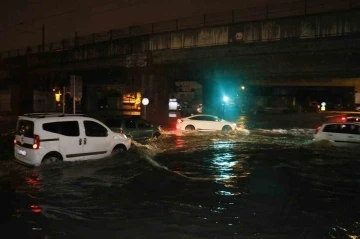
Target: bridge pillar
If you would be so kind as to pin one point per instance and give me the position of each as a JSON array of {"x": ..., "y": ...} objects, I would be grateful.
[
  {"x": 155, "y": 84},
  {"x": 22, "y": 95},
  {"x": 90, "y": 103}
]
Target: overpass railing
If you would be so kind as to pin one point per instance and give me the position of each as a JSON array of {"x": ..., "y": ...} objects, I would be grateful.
[{"x": 273, "y": 11}]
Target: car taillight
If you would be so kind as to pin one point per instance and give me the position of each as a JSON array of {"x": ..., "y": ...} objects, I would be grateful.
[
  {"x": 179, "y": 121},
  {"x": 14, "y": 141},
  {"x": 343, "y": 119},
  {"x": 36, "y": 144},
  {"x": 121, "y": 131},
  {"x": 317, "y": 129}
]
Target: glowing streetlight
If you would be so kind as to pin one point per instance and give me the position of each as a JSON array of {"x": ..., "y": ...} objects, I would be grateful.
[
  {"x": 243, "y": 87},
  {"x": 225, "y": 99},
  {"x": 323, "y": 106},
  {"x": 145, "y": 102}
]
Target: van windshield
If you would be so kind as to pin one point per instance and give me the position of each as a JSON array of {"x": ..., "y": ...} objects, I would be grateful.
[{"x": 25, "y": 127}]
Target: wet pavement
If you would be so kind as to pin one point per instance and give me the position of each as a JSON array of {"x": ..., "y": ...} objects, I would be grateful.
[{"x": 267, "y": 180}]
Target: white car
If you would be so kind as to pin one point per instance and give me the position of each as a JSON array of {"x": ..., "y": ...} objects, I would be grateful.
[
  {"x": 204, "y": 122},
  {"x": 43, "y": 138},
  {"x": 339, "y": 134}
]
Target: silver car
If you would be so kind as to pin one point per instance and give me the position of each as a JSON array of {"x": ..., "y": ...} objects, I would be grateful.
[
  {"x": 133, "y": 127},
  {"x": 339, "y": 134}
]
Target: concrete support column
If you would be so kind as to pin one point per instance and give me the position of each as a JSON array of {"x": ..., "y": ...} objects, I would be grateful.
[
  {"x": 156, "y": 85},
  {"x": 22, "y": 95},
  {"x": 15, "y": 100},
  {"x": 165, "y": 83},
  {"x": 90, "y": 98}
]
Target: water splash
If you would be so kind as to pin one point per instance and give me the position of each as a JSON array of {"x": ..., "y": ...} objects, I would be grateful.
[{"x": 292, "y": 132}]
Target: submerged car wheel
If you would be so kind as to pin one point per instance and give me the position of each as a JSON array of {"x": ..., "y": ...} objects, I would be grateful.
[
  {"x": 189, "y": 127},
  {"x": 226, "y": 128},
  {"x": 117, "y": 150},
  {"x": 51, "y": 159}
]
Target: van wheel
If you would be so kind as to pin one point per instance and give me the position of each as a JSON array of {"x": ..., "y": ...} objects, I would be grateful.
[
  {"x": 117, "y": 150},
  {"x": 51, "y": 159}
]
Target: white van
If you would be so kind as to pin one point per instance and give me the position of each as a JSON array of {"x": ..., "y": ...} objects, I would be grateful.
[{"x": 43, "y": 138}]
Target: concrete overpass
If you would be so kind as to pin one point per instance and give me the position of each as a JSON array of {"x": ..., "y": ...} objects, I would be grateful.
[{"x": 281, "y": 44}]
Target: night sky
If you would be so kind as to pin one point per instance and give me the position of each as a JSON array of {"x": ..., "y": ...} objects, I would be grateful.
[{"x": 21, "y": 20}]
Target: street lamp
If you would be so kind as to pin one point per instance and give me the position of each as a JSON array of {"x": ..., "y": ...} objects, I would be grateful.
[
  {"x": 243, "y": 87},
  {"x": 145, "y": 102},
  {"x": 225, "y": 99}
]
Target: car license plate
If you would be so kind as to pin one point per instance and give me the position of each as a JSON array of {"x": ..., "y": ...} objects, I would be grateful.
[{"x": 21, "y": 152}]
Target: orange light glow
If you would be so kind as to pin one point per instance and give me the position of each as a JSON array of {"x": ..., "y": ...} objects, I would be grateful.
[
  {"x": 58, "y": 96},
  {"x": 36, "y": 144},
  {"x": 131, "y": 103}
]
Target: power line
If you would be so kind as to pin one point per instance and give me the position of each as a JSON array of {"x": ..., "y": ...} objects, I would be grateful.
[
  {"x": 116, "y": 8},
  {"x": 112, "y": 9},
  {"x": 70, "y": 12},
  {"x": 37, "y": 19}
]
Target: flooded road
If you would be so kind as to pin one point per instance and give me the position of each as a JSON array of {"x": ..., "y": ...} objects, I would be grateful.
[{"x": 267, "y": 180}]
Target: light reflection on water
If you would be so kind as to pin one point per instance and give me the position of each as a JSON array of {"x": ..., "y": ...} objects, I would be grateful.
[
  {"x": 33, "y": 181},
  {"x": 179, "y": 141},
  {"x": 35, "y": 208},
  {"x": 229, "y": 167},
  {"x": 241, "y": 122}
]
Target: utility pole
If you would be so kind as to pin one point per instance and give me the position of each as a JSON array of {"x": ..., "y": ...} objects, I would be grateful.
[
  {"x": 43, "y": 37},
  {"x": 63, "y": 103}
]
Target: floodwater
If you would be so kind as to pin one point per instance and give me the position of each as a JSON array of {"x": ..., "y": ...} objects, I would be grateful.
[{"x": 267, "y": 180}]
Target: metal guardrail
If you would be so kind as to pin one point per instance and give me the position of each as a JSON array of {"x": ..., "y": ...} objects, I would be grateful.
[{"x": 273, "y": 11}]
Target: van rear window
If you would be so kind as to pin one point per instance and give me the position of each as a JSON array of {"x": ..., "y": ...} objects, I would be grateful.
[{"x": 25, "y": 127}]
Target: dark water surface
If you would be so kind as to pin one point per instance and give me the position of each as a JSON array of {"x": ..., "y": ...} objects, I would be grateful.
[{"x": 268, "y": 180}]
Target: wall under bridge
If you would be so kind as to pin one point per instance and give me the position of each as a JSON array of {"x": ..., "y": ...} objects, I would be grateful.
[
  {"x": 157, "y": 83},
  {"x": 35, "y": 95},
  {"x": 319, "y": 82}
]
